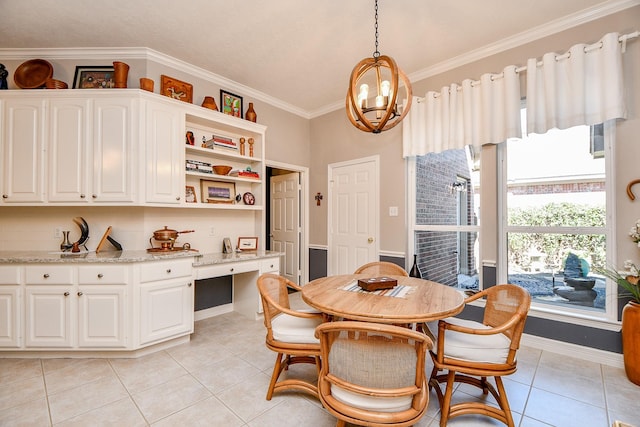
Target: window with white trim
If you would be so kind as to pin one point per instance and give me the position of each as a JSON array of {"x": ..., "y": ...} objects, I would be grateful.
[{"x": 554, "y": 209}]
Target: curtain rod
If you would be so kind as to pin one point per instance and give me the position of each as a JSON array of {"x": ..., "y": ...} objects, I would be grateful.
[{"x": 622, "y": 39}]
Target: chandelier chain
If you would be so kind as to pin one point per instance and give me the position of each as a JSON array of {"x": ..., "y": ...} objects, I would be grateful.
[{"x": 376, "y": 54}]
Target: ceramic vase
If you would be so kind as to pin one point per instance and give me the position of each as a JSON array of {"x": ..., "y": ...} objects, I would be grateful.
[
  {"x": 251, "y": 113},
  {"x": 120, "y": 74},
  {"x": 631, "y": 341}
]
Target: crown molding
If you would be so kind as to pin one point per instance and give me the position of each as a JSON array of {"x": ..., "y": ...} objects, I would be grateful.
[
  {"x": 548, "y": 29},
  {"x": 144, "y": 53}
]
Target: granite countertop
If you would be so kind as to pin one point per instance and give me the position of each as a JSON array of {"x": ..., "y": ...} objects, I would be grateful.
[{"x": 25, "y": 257}]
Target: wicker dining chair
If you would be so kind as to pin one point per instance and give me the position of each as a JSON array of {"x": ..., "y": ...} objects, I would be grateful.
[
  {"x": 381, "y": 268},
  {"x": 290, "y": 333},
  {"x": 471, "y": 351},
  {"x": 373, "y": 374}
]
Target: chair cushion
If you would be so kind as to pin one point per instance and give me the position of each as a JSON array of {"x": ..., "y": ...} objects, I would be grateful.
[
  {"x": 371, "y": 403},
  {"x": 472, "y": 348},
  {"x": 287, "y": 328}
]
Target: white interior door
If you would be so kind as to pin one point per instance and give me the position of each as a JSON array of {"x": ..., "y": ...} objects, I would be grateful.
[
  {"x": 285, "y": 223},
  {"x": 353, "y": 214}
]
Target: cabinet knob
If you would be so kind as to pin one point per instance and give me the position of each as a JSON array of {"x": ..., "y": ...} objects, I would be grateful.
[
  {"x": 82, "y": 196},
  {"x": 178, "y": 198},
  {"x": 79, "y": 294},
  {"x": 94, "y": 196},
  {"x": 190, "y": 284},
  {"x": 231, "y": 269},
  {"x": 271, "y": 266},
  {"x": 100, "y": 275},
  {"x": 168, "y": 270},
  {"x": 45, "y": 275},
  {"x": 66, "y": 294},
  {"x": 4, "y": 196}
]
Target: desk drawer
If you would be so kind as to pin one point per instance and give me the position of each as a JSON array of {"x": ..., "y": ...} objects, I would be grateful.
[
  {"x": 49, "y": 275},
  {"x": 270, "y": 265},
  {"x": 226, "y": 269}
]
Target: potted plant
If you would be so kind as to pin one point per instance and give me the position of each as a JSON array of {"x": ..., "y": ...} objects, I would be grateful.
[{"x": 629, "y": 280}]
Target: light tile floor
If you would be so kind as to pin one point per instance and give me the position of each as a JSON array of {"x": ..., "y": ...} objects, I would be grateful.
[{"x": 221, "y": 376}]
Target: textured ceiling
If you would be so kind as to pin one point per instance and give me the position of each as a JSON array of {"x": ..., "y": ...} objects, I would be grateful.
[{"x": 300, "y": 52}]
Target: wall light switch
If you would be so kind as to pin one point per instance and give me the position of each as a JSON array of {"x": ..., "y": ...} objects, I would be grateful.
[
  {"x": 212, "y": 232},
  {"x": 393, "y": 211}
]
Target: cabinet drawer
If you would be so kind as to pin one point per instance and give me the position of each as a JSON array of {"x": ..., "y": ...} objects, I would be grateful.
[
  {"x": 103, "y": 275},
  {"x": 10, "y": 275},
  {"x": 163, "y": 270},
  {"x": 226, "y": 269},
  {"x": 49, "y": 274},
  {"x": 270, "y": 265}
]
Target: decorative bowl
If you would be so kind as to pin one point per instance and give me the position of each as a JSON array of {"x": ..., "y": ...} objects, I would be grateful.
[
  {"x": 221, "y": 169},
  {"x": 55, "y": 84},
  {"x": 32, "y": 74}
]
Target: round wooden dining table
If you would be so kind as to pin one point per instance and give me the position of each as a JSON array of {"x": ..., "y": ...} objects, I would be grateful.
[{"x": 411, "y": 301}]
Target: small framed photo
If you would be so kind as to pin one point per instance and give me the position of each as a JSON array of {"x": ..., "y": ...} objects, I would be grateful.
[
  {"x": 94, "y": 77},
  {"x": 231, "y": 104},
  {"x": 190, "y": 194},
  {"x": 247, "y": 243},
  {"x": 217, "y": 191},
  {"x": 226, "y": 246},
  {"x": 176, "y": 89}
]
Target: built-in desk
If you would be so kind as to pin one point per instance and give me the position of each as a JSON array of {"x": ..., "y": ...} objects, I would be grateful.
[{"x": 243, "y": 269}]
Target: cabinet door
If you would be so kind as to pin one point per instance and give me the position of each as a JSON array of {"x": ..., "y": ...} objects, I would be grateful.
[
  {"x": 9, "y": 317},
  {"x": 48, "y": 316},
  {"x": 166, "y": 310},
  {"x": 102, "y": 316},
  {"x": 164, "y": 151},
  {"x": 68, "y": 152},
  {"x": 22, "y": 151},
  {"x": 113, "y": 155}
]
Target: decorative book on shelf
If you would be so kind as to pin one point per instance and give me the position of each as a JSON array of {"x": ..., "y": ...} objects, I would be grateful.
[{"x": 245, "y": 174}]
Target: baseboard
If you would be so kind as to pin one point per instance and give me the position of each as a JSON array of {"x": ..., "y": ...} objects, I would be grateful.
[
  {"x": 213, "y": 311},
  {"x": 586, "y": 353}
]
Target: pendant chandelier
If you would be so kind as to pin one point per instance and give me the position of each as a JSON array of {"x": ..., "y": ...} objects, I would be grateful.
[{"x": 375, "y": 112}]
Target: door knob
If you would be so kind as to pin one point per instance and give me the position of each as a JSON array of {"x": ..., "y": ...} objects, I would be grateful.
[{"x": 370, "y": 240}]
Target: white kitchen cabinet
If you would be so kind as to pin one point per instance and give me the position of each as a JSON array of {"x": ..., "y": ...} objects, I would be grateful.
[
  {"x": 102, "y": 319},
  {"x": 22, "y": 150},
  {"x": 69, "y": 161},
  {"x": 164, "y": 153},
  {"x": 103, "y": 302},
  {"x": 48, "y": 316},
  {"x": 115, "y": 131},
  {"x": 10, "y": 306},
  {"x": 166, "y": 300}
]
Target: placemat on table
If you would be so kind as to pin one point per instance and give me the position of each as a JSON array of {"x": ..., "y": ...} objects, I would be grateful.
[{"x": 399, "y": 291}]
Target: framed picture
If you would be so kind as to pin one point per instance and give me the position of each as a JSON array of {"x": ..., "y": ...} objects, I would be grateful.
[
  {"x": 176, "y": 89},
  {"x": 247, "y": 243},
  {"x": 217, "y": 191},
  {"x": 94, "y": 77},
  {"x": 226, "y": 246},
  {"x": 231, "y": 104},
  {"x": 190, "y": 194}
]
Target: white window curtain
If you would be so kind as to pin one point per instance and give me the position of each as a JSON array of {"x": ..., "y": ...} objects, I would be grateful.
[
  {"x": 582, "y": 87},
  {"x": 473, "y": 113}
]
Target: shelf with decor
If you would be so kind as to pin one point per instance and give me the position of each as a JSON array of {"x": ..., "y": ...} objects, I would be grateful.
[{"x": 212, "y": 141}]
